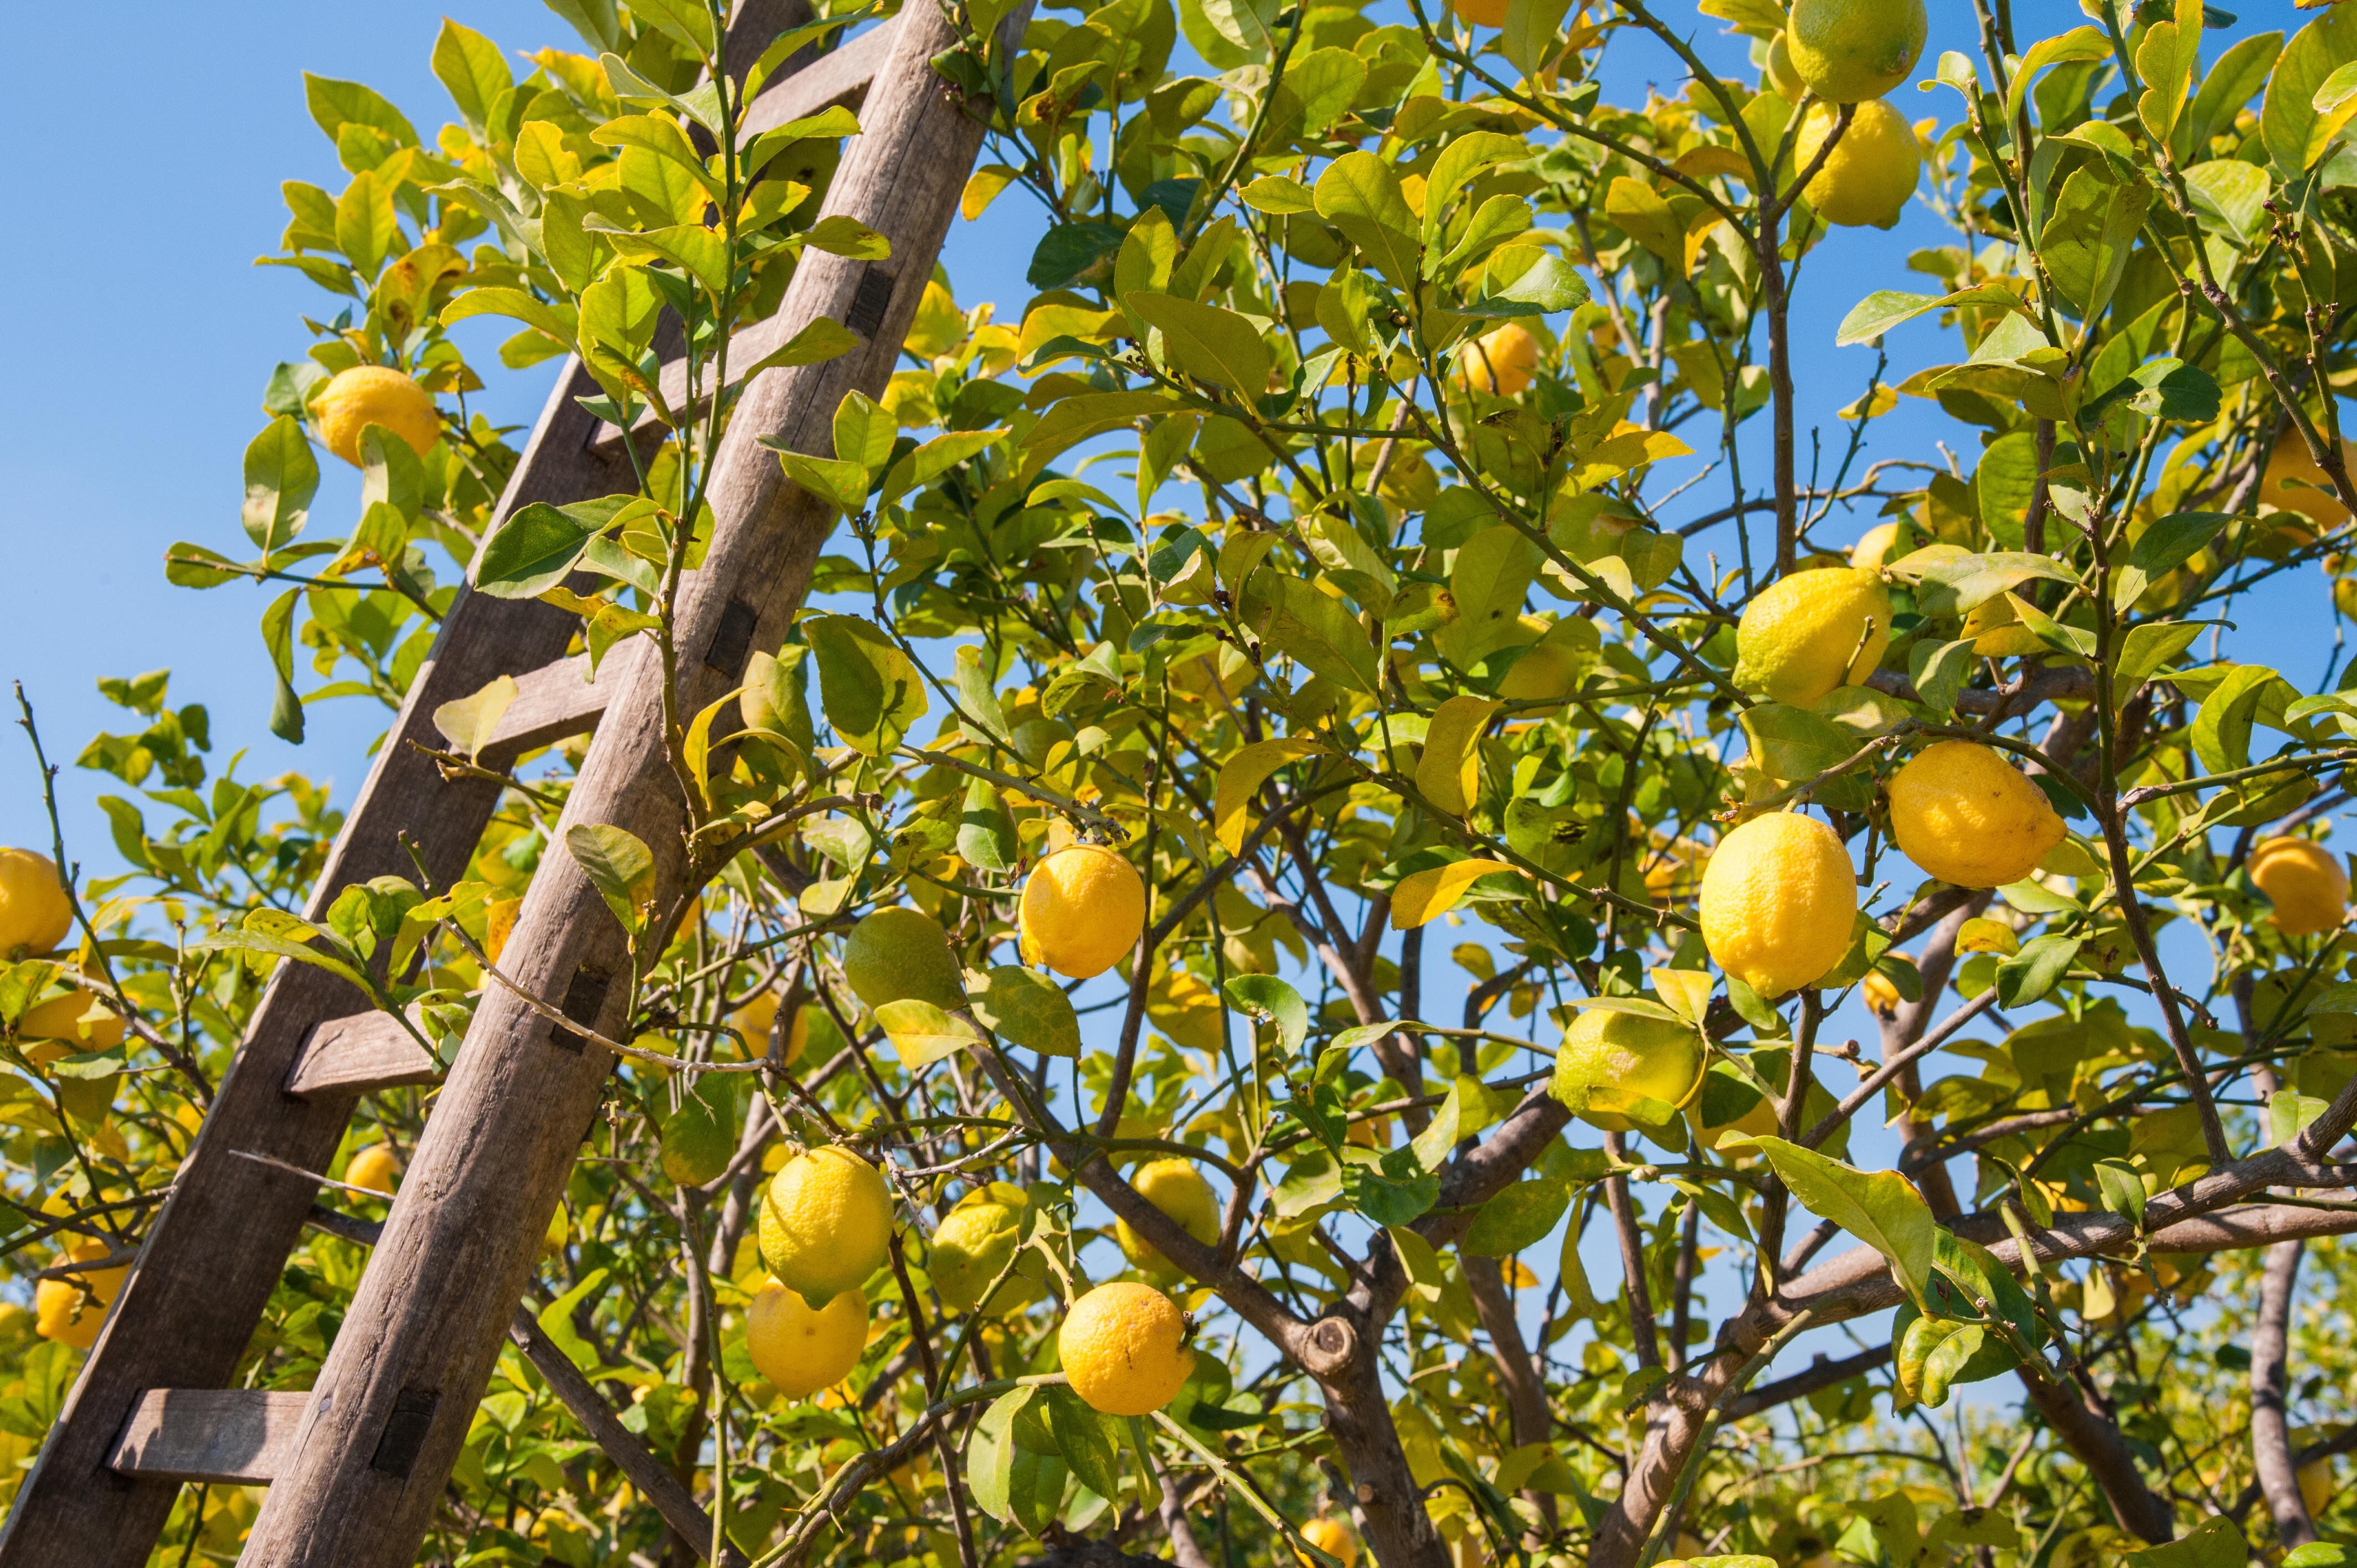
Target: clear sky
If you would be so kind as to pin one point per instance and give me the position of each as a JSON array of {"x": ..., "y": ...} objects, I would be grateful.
[{"x": 145, "y": 334}]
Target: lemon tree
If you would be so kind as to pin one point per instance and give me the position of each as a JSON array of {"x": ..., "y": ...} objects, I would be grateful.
[{"x": 1492, "y": 840}]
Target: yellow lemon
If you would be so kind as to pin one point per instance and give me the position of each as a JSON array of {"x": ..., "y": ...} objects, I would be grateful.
[
  {"x": 1874, "y": 546},
  {"x": 62, "y": 1313},
  {"x": 1499, "y": 361},
  {"x": 902, "y": 954},
  {"x": 1967, "y": 816},
  {"x": 1082, "y": 909},
  {"x": 372, "y": 394},
  {"x": 1850, "y": 50},
  {"x": 826, "y": 1222},
  {"x": 1332, "y": 1537},
  {"x": 1779, "y": 898},
  {"x": 1483, "y": 13},
  {"x": 2316, "y": 1486},
  {"x": 801, "y": 1348},
  {"x": 758, "y": 1019},
  {"x": 2309, "y": 888},
  {"x": 66, "y": 1024},
  {"x": 1175, "y": 1186},
  {"x": 1122, "y": 1348},
  {"x": 2312, "y": 497},
  {"x": 1780, "y": 78},
  {"x": 1870, "y": 173},
  {"x": 1610, "y": 1063},
  {"x": 1882, "y": 998},
  {"x": 973, "y": 1245},
  {"x": 373, "y": 1168},
  {"x": 35, "y": 915},
  {"x": 1804, "y": 635}
]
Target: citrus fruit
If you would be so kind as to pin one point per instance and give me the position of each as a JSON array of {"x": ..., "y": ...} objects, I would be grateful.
[
  {"x": 757, "y": 1020},
  {"x": 1729, "y": 1105},
  {"x": 62, "y": 1312},
  {"x": 1850, "y": 50},
  {"x": 901, "y": 954},
  {"x": 1882, "y": 998},
  {"x": 1779, "y": 898},
  {"x": 373, "y": 1168},
  {"x": 696, "y": 1146},
  {"x": 1610, "y": 1063},
  {"x": 1805, "y": 634},
  {"x": 2309, "y": 888},
  {"x": 2316, "y": 1486},
  {"x": 64, "y": 1026},
  {"x": 2312, "y": 497},
  {"x": 35, "y": 913},
  {"x": 1870, "y": 173},
  {"x": 1874, "y": 547},
  {"x": 1501, "y": 360},
  {"x": 1483, "y": 13},
  {"x": 973, "y": 1246},
  {"x": 801, "y": 1348},
  {"x": 1175, "y": 1186},
  {"x": 1779, "y": 77},
  {"x": 1122, "y": 1348},
  {"x": 1968, "y": 817},
  {"x": 1082, "y": 909},
  {"x": 1332, "y": 1537},
  {"x": 826, "y": 1222},
  {"x": 373, "y": 394}
]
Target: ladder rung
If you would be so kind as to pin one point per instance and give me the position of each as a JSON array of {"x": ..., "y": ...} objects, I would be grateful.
[
  {"x": 838, "y": 78},
  {"x": 236, "y": 1437},
  {"x": 357, "y": 1054},
  {"x": 557, "y": 701}
]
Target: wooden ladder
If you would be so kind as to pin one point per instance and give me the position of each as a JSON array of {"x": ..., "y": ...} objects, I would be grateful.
[{"x": 357, "y": 1466}]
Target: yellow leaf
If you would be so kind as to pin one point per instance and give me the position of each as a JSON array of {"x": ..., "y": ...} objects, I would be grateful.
[
  {"x": 1450, "y": 772},
  {"x": 1424, "y": 895},
  {"x": 921, "y": 1034},
  {"x": 1239, "y": 781},
  {"x": 1685, "y": 992},
  {"x": 1701, "y": 163},
  {"x": 1874, "y": 405},
  {"x": 982, "y": 188},
  {"x": 1987, "y": 936}
]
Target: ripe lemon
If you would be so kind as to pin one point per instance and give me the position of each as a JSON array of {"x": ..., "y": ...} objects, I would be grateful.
[
  {"x": 35, "y": 915},
  {"x": 2312, "y": 497},
  {"x": 758, "y": 1019},
  {"x": 1499, "y": 361},
  {"x": 826, "y": 1222},
  {"x": 1779, "y": 899},
  {"x": 1882, "y": 998},
  {"x": 1332, "y": 1537},
  {"x": 2309, "y": 888},
  {"x": 1870, "y": 173},
  {"x": 1804, "y": 635},
  {"x": 1082, "y": 909},
  {"x": 61, "y": 1313},
  {"x": 1874, "y": 547},
  {"x": 801, "y": 1348},
  {"x": 901, "y": 954},
  {"x": 373, "y": 394},
  {"x": 373, "y": 1168},
  {"x": 63, "y": 1026},
  {"x": 1850, "y": 50},
  {"x": 1967, "y": 816},
  {"x": 1610, "y": 1063},
  {"x": 1175, "y": 1186},
  {"x": 1122, "y": 1348},
  {"x": 973, "y": 1244},
  {"x": 1779, "y": 77},
  {"x": 2316, "y": 1485}
]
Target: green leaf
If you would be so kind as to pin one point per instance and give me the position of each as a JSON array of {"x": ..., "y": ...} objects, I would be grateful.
[
  {"x": 1960, "y": 584},
  {"x": 1360, "y": 194},
  {"x": 252, "y": 939},
  {"x": 1266, "y": 996},
  {"x": 335, "y": 104},
  {"x": 1939, "y": 670},
  {"x": 2289, "y": 122},
  {"x": 841, "y": 485},
  {"x": 1278, "y": 194},
  {"x": 534, "y": 550},
  {"x": 985, "y": 834},
  {"x": 976, "y": 698},
  {"x": 1438, "y": 1139},
  {"x": 2221, "y": 728},
  {"x": 923, "y": 1034},
  {"x": 2122, "y": 1189},
  {"x": 1315, "y": 630},
  {"x": 1533, "y": 32},
  {"x": 281, "y": 478},
  {"x": 2216, "y": 1542},
  {"x": 367, "y": 227},
  {"x": 1521, "y": 1215},
  {"x": 1018, "y": 1004},
  {"x": 1207, "y": 342},
  {"x": 619, "y": 866},
  {"x": 871, "y": 691},
  {"x": 2035, "y": 970},
  {"x": 2151, "y": 647},
  {"x": 1460, "y": 162},
  {"x": 1881, "y": 1209},
  {"x": 2079, "y": 44},
  {"x": 278, "y": 635},
  {"x": 1489, "y": 581},
  {"x": 1088, "y": 1441},
  {"x": 934, "y": 459},
  {"x": 471, "y": 67},
  {"x": 2174, "y": 540}
]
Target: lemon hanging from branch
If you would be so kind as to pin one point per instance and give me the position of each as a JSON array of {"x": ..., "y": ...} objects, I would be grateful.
[
  {"x": 1779, "y": 900},
  {"x": 1082, "y": 909},
  {"x": 1124, "y": 1348},
  {"x": 1807, "y": 633},
  {"x": 1967, "y": 816}
]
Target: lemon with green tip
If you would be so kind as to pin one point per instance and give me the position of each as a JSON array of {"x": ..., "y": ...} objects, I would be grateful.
[
  {"x": 1809, "y": 632},
  {"x": 973, "y": 1245},
  {"x": 1611, "y": 1063},
  {"x": 902, "y": 954},
  {"x": 1847, "y": 51}
]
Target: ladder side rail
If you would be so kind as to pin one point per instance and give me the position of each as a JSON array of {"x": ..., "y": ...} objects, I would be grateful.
[{"x": 397, "y": 1394}]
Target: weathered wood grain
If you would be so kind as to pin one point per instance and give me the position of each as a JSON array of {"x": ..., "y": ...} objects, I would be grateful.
[
  {"x": 557, "y": 701},
  {"x": 425, "y": 1328},
  {"x": 359, "y": 1054},
  {"x": 234, "y": 1437},
  {"x": 217, "y": 1246}
]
